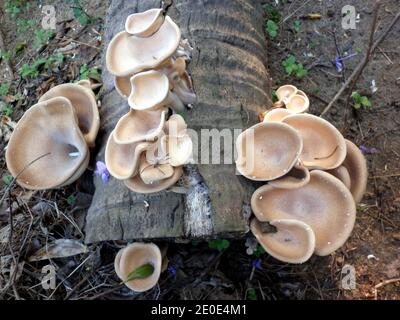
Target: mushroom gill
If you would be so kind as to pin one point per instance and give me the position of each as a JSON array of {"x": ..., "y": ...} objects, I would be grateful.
[
  {"x": 293, "y": 242},
  {"x": 323, "y": 145},
  {"x": 84, "y": 102},
  {"x": 325, "y": 204},
  {"x": 47, "y": 149},
  {"x": 153, "y": 173},
  {"x": 267, "y": 151},
  {"x": 134, "y": 256},
  {"x": 144, "y": 24}
]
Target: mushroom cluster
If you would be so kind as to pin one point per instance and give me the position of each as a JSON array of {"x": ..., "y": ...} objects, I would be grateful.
[
  {"x": 49, "y": 147},
  {"x": 315, "y": 178},
  {"x": 150, "y": 144}
]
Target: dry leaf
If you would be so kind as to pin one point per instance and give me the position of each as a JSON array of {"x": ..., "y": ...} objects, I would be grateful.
[{"x": 61, "y": 248}]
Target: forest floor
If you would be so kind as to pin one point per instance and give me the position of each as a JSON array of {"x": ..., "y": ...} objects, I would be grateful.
[{"x": 41, "y": 58}]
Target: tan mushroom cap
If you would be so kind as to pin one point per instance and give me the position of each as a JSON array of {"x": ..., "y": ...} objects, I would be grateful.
[
  {"x": 84, "y": 102},
  {"x": 179, "y": 149},
  {"x": 138, "y": 126},
  {"x": 123, "y": 85},
  {"x": 153, "y": 173},
  {"x": 285, "y": 92},
  {"x": 175, "y": 126},
  {"x": 297, "y": 177},
  {"x": 325, "y": 204},
  {"x": 356, "y": 165},
  {"x": 323, "y": 145},
  {"x": 276, "y": 115},
  {"x": 267, "y": 151},
  {"x": 144, "y": 24},
  {"x": 342, "y": 174},
  {"x": 136, "y": 184},
  {"x": 298, "y": 103},
  {"x": 294, "y": 241},
  {"x": 134, "y": 256},
  {"x": 128, "y": 54},
  {"x": 122, "y": 160},
  {"x": 48, "y": 130}
]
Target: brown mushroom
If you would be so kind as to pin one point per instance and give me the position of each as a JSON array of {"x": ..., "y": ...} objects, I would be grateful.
[
  {"x": 47, "y": 149},
  {"x": 294, "y": 241},
  {"x": 323, "y": 145},
  {"x": 325, "y": 204},
  {"x": 144, "y": 24},
  {"x": 267, "y": 151}
]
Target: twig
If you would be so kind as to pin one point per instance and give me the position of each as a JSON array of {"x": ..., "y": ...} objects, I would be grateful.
[
  {"x": 290, "y": 15},
  {"x": 6, "y": 61},
  {"x": 384, "y": 283},
  {"x": 357, "y": 71}
]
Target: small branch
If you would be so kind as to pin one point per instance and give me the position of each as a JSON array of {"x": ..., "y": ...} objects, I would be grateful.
[{"x": 371, "y": 48}]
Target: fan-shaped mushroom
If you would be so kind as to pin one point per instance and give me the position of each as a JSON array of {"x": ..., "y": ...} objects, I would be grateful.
[
  {"x": 325, "y": 204},
  {"x": 47, "y": 149},
  {"x": 276, "y": 114},
  {"x": 134, "y": 256},
  {"x": 144, "y": 24},
  {"x": 123, "y": 85},
  {"x": 122, "y": 160},
  {"x": 153, "y": 173},
  {"x": 342, "y": 174},
  {"x": 296, "y": 178},
  {"x": 84, "y": 102},
  {"x": 267, "y": 151},
  {"x": 324, "y": 146},
  {"x": 128, "y": 54},
  {"x": 138, "y": 126},
  {"x": 294, "y": 241},
  {"x": 298, "y": 103},
  {"x": 284, "y": 93}
]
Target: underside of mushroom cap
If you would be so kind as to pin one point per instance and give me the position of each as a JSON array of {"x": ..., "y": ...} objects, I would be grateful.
[
  {"x": 46, "y": 148},
  {"x": 84, "y": 102},
  {"x": 267, "y": 151},
  {"x": 144, "y": 24},
  {"x": 138, "y": 126},
  {"x": 154, "y": 173},
  {"x": 122, "y": 160},
  {"x": 323, "y": 145},
  {"x": 123, "y": 85},
  {"x": 356, "y": 166},
  {"x": 285, "y": 92},
  {"x": 128, "y": 54},
  {"x": 325, "y": 204},
  {"x": 149, "y": 90},
  {"x": 136, "y": 184},
  {"x": 134, "y": 256},
  {"x": 293, "y": 242},
  {"x": 297, "y": 177},
  {"x": 342, "y": 174},
  {"x": 276, "y": 115}
]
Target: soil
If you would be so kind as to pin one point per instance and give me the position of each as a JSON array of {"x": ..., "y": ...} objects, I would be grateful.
[{"x": 195, "y": 270}]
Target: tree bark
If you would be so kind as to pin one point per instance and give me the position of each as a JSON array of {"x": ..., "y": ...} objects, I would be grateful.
[{"x": 231, "y": 81}]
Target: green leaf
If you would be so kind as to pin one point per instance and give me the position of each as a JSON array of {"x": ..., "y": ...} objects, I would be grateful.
[
  {"x": 301, "y": 72},
  {"x": 274, "y": 96},
  {"x": 71, "y": 200},
  {"x": 251, "y": 294},
  {"x": 141, "y": 272},
  {"x": 365, "y": 101},
  {"x": 297, "y": 25},
  {"x": 4, "y": 88},
  {"x": 259, "y": 251},
  {"x": 356, "y": 96},
  {"x": 7, "y": 179},
  {"x": 220, "y": 245},
  {"x": 7, "y": 110},
  {"x": 42, "y": 36},
  {"x": 357, "y": 106},
  {"x": 272, "y": 28}
]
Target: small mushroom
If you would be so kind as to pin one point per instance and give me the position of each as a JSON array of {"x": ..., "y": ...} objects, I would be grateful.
[
  {"x": 284, "y": 93},
  {"x": 84, "y": 102},
  {"x": 134, "y": 256},
  {"x": 325, "y": 204},
  {"x": 324, "y": 146},
  {"x": 47, "y": 150},
  {"x": 144, "y": 24},
  {"x": 150, "y": 90},
  {"x": 294, "y": 241},
  {"x": 128, "y": 54},
  {"x": 138, "y": 126},
  {"x": 122, "y": 160},
  {"x": 298, "y": 103},
  {"x": 276, "y": 115},
  {"x": 267, "y": 151},
  {"x": 298, "y": 177}
]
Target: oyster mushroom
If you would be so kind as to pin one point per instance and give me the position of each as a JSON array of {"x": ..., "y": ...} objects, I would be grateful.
[
  {"x": 150, "y": 90},
  {"x": 325, "y": 204},
  {"x": 153, "y": 173},
  {"x": 294, "y": 241},
  {"x": 128, "y": 54},
  {"x": 84, "y": 102},
  {"x": 296, "y": 178},
  {"x": 179, "y": 149},
  {"x": 138, "y": 126},
  {"x": 123, "y": 85},
  {"x": 134, "y": 256},
  {"x": 284, "y": 93},
  {"x": 144, "y": 24},
  {"x": 324, "y": 146},
  {"x": 267, "y": 151},
  {"x": 298, "y": 103},
  {"x": 47, "y": 150},
  {"x": 276, "y": 114},
  {"x": 122, "y": 160},
  {"x": 342, "y": 174}
]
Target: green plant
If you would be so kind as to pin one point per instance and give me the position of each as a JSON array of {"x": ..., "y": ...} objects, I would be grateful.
[
  {"x": 271, "y": 28},
  {"x": 274, "y": 96},
  {"x": 141, "y": 272},
  {"x": 71, "y": 200},
  {"x": 7, "y": 179},
  {"x": 220, "y": 245},
  {"x": 251, "y": 294},
  {"x": 4, "y": 88},
  {"x": 7, "y": 110},
  {"x": 5, "y": 55},
  {"x": 297, "y": 25},
  {"x": 24, "y": 25},
  {"x": 42, "y": 36},
  {"x": 360, "y": 101},
  {"x": 291, "y": 67},
  {"x": 272, "y": 13},
  {"x": 80, "y": 14},
  {"x": 86, "y": 72},
  {"x": 259, "y": 251},
  {"x": 32, "y": 71}
]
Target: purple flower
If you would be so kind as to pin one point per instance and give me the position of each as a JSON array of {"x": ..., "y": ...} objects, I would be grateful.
[
  {"x": 101, "y": 171},
  {"x": 171, "y": 270},
  {"x": 257, "y": 264},
  {"x": 338, "y": 60},
  {"x": 366, "y": 150}
]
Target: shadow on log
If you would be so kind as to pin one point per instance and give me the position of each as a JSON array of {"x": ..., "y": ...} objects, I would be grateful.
[{"x": 232, "y": 86}]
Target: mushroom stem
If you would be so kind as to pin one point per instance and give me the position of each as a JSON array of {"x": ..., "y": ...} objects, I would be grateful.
[{"x": 174, "y": 102}]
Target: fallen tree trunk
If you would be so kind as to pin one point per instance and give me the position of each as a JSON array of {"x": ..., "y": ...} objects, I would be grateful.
[{"x": 232, "y": 86}]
